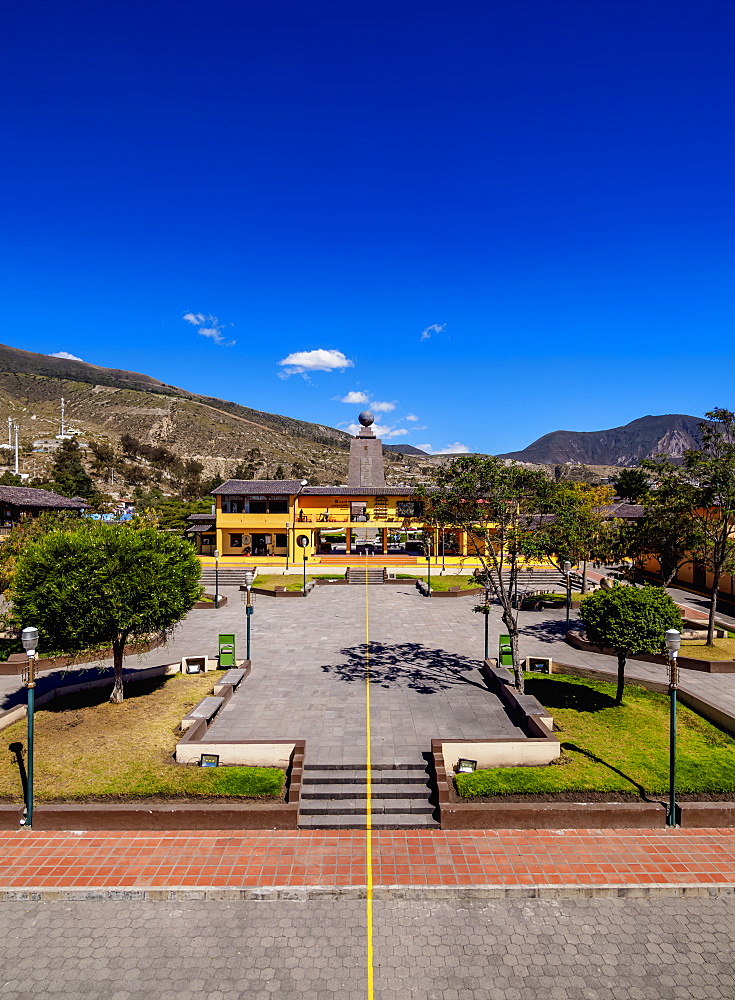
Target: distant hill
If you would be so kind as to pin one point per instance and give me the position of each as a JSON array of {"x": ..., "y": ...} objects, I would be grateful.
[
  {"x": 405, "y": 449},
  {"x": 670, "y": 434},
  {"x": 102, "y": 404}
]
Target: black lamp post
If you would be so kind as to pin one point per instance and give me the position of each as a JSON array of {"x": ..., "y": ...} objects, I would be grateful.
[
  {"x": 428, "y": 567},
  {"x": 302, "y": 541},
  {"x": 568, "y": 575},
  {"x": 673, "y": 642},
  {"x": 29, "y": 638},
  {"x": 248, "y": 577}
]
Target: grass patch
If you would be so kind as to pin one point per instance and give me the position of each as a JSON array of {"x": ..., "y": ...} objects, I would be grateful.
[
  {"x": 440, "y": 583},
  {"x": 721, "y": 649},
  {"x": 609, "y": 748},
  {"x": 291, "y": 581},
  {"x": 86, "y": 748}
]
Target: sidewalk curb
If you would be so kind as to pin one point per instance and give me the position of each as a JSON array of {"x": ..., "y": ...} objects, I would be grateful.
[{"x": 380, "y": 893}]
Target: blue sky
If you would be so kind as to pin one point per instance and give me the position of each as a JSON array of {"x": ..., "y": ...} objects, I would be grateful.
[{"x": 500, "y": 218}]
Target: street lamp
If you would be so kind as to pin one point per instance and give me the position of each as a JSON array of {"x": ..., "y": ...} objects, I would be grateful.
[
  {"x": 248, "y": 576},
  {"x": 568, "y": 575},
  {"x": 29, "y": 638},
  {"x": 216, "y": 578},
  {"x": 302, "y": 541},
  {"x": 673, "y": 642},
  {"x": 428, "y": 566}
]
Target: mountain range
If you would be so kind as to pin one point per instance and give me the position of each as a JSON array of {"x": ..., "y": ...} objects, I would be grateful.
[
  {"x": 103, "y": 404},
  {"x": 670, "y": 434}
]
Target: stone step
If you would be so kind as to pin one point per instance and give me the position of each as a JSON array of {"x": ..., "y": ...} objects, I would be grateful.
[
  {"x": 356, "y": 807},
  {"x": 411, "y": 765},
  {"x": 379, "y": 778},
  {"x": 386, "y": 821},
  {"x": 346, "y": 791}
]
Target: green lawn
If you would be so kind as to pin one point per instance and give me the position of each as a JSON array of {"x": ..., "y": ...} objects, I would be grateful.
[
  {"x": 86, "y": 748},
  {"x": 609, "y": 748},
  {"x": 290, "y": 581},
  {"x": 721, "y": 649},
  {"x": 444, "y": 582}
]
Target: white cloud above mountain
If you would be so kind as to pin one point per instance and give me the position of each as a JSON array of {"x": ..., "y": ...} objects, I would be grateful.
[
  {"x": 319, "y": 360},
  {"x": 451, "y": 449},
  {"x": 209, "y": 326},
  {"x": 65, "y": 354}
]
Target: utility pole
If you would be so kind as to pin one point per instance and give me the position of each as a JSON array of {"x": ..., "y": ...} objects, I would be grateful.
[
  {"x": 16, "y": 448},
  {"x": 62, "y": 416}
]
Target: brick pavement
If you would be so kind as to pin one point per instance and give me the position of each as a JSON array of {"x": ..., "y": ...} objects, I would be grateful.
[{"x": 252, "y": 861}]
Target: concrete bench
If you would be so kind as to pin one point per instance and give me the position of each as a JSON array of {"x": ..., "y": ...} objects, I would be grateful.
[
  {"x": 232, "y": 678},
  {"x": 206, "y": 709}
]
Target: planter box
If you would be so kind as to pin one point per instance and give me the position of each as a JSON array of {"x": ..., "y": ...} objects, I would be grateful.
[
  {"x": 579, "y": 641},
  {"x": 16, "y": 662},
  {"x": 206, "y": 605}
]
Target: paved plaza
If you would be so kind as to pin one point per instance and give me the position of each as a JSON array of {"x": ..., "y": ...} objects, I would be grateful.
[
  {"x": 464, "y": 915},
  {"x": 454, "y": 949}
]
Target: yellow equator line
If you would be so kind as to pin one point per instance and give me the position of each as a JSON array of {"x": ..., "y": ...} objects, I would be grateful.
[{"x": 368, "y": 801}]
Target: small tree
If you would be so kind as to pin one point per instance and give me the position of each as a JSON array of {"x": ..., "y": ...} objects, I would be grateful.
[
  {"x": 495, "y": 504},
  {"x": 629, "y": 620},
  {"x": 104, "y": 584},
  {"x": 632, "y": 485},
  {"x": 68, "y": 474},
  {"x": 712, "y": 469}
]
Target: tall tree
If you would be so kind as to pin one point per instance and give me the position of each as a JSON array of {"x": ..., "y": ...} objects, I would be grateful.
[
  {"x": 629, "y": 620},
  {"x": 68, "y": 474},
  {"x": 494, "y": 504},
  {"x": 633, "y": 485},
  {"x": 102, "y": 584},
  {"x": 573, "y": 526},
  {"x": 712, "y": 469},
  {"x": 670, "y": 532}
]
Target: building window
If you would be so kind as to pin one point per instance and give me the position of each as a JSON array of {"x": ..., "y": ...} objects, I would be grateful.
[
  {"x": 232, "y": 505},
  {"x": 409, "y": 508},
  {"x": 278, "y": 505},
  {"x": 235, "y": 541},
  {"x": 281, "y": 541}
]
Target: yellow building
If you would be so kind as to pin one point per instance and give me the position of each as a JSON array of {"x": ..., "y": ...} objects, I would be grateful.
[{"x": 264, "y": 522}]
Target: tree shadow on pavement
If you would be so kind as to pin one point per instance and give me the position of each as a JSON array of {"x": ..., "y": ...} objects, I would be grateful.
[
  {"x": 548, "y": 630},
  {"x": 407, "y": 665}
]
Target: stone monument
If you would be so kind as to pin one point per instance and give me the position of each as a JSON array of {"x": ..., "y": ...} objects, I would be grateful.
[{"x": 366, "y": 455}]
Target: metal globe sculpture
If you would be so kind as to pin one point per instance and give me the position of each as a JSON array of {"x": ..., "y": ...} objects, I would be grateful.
[{"x": 366, "y": 418}]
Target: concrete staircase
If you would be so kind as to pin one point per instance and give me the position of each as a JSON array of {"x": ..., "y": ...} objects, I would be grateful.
[
  {"x": 334, "y": 797},
  {"x": 359, "y": 575}
]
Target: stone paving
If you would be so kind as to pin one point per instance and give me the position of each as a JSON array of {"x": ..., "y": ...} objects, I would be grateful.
[{"x": 581, "y": 949}]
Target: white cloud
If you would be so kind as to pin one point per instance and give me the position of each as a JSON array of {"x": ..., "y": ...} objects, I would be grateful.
[
  {"x": 320, "y": 360},
  {"x": 356, "y": 398},
  {"x": 451, "y": 449},
  {"x": 434, "y": 328},
  {"x": 412, "y": 417},
  {"x": 380, "y": 430},
  {"x": 65, "y": 354},
  {"x": 382, "y": 407},
  {"x": 209, "y": 326}
]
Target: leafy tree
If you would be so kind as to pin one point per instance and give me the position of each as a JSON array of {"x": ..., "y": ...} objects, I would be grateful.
[
  {"x": 633, "y": 485},
  {"x": 104, "y": 584},
  {"x": 280, "y": 472},
  {"x": 629, "y": 620},
  {"x": 10, "y": 479},
  {"x": 68, "y": 475},
  {"x": 712, "y": 470},
  {"x": 670, "y": 531},
  {"x": 496, "y": 505},
  {"x": 171, "y": 513},
  {"x": 298, "y": 470},
  {"x": 27, "y": 530},
  {"x": 573, "y": 526}
]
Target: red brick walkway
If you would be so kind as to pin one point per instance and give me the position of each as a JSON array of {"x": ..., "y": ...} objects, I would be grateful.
[{"x": 337, "y": 859}]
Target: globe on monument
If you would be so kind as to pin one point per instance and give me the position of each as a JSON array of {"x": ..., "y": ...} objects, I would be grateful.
[{"x": 366, "y": 418}]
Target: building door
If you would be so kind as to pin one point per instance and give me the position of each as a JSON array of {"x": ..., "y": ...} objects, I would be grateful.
[{"x": 262, "y": 545}]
